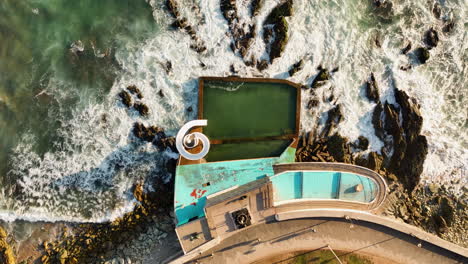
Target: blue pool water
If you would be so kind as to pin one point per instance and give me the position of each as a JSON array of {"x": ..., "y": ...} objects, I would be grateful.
[
  {"x": 322, "y": 185},
  {"x": 195, "y": 182}
]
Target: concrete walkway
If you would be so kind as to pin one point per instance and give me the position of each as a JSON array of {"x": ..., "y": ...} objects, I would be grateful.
[{"x": 276, "y": 238}]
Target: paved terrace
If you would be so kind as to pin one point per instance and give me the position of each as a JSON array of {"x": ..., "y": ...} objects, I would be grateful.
[{"x": 361, "y": 233}]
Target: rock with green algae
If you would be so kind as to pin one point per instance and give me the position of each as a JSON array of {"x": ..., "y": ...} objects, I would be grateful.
[
  {"x": 6, "y": 252},
  {"x": 280, "y": 26}
]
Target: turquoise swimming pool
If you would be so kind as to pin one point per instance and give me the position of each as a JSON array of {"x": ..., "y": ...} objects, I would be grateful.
[{"x": 323, "y": 185}]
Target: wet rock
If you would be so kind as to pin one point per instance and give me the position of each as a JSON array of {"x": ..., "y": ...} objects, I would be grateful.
[
  {"x": 125, "y": 98},
  {"x": 280, "y": 29},
  {"x": 283, "y": 10},
  {"x": 138, "y": 192},
  {"x": 431, "y": 38},
  {"x": 321, "y": 77},
  {"x": 406, "y": 48},
  {"x": 255, "y": 7},
  {"x": 298, "y": 66},
  {"x": 146, "y": 133},
  {"x": 448, "y": 27},
  {"x": 335, "y": 116},
  {"x": 189, "y": 109},
  {"x": 436, "y": 11},
  {"x": 446, "y": 210},
  {"x": 262, "y": 65},
  {"x": 160, "y": 93},
  {"x": 372, "y": 91},
  {"x": 374, "y": 161},
  {"x": 281, "y": 39},
  {"x": 314, "y": 102},
  {"x": 168, "y": 66},
  {"x": 141, "y": 108},
  {"x": 166, "y": 142},
  {"x": 173, "y": 8},
  {"x": 362, "y": 143},
  {"x": 134, "y": 90},
  {"x": 383, "y": 9},
  {"x": 338, "y": 148},
  {"x": 412, "y": 118},
  {"x": 377, "y": 121},
  {"x": 433, "y": 188},
  {"x": 422, "y": 54}
]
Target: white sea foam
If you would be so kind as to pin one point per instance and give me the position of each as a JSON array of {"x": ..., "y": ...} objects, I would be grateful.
[{"x": 89, "y": 177}]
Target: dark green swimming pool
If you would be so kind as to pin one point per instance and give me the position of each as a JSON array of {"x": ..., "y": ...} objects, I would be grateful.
[{"x": 248, "y": 119}]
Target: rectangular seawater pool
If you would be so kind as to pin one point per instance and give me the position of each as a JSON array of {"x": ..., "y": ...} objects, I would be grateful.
[{"x": 248, "y": 119}]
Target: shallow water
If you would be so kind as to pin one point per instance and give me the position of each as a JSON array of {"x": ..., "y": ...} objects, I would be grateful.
[{"x": 66, "y": 148}]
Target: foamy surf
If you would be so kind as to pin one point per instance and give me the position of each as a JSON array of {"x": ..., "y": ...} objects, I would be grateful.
[{"x": 89, "y": 177}]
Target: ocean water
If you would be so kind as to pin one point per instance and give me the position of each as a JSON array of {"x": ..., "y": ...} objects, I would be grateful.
[{"x": 66, "y": 149}]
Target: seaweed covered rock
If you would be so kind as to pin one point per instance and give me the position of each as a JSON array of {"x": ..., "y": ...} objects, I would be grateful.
[
  {"x": 141, "y": 108},
  {"x": 422, "y": 54},
  {"x": 277, "y": 20},
  {"x": 282, "y": 10},
  {"x": 298, "y": 66},
  {"x": 125, "y": 98},
  {"x": 321, "y": 77},
  {"x": 431, "y": 38},
  {"x": 372, "y": 91}
]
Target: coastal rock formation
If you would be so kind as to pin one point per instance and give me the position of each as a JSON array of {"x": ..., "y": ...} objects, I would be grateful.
[
  {"x": 242, "y": 34},
  {"x": 422, "y": 54},
  {"x": 134, "y": 90},
  {"x": 141, "y": 108},
  {"x": 431, "y": 38},
  {"x": 182, "y": 23},
  {"x": 125, "y": 98},
  {"x": 6, "y": 252},
  {"x": 128, "y": 236},
  {"x": 146, "y": 133},
  {"x": 321, "y": 77},
  {"x": 298, "y": 66},
  {"x": 409, "y": 147},
  {"x": 276, "y": 29},
  {"x": 372, "y": 91},
  {"x": 433, "y": 208}
]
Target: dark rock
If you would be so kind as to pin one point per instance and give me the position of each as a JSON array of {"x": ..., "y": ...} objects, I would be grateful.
[
  {"x": 141, "y": 108},
  {"x": 374, "y": 161},
  {"x": 296, "y": 67},
  {"x": 422, "y": 54},
  {"x": 377, "y": 121},
  {"x": 336, "y": 69},
  {"x": 406, "y": 48},
  {"x": 256, "y": 5},
  {"x": 431, "y": 38},
  {"x": 280, "y": 28},
  {"x": 168, "y": 66},
  {"x": 189, "y": 109},
  {"x": 338, "y": 148},
  {"x": 412, "y": 118},
  {"x": 321, "y": 78},
  {"x": 312, "y": 103},
  {"x": 448, "y": 27},
  {"x": 447, "y": 210},
  {"x": 334, "y": 117},
  {"x": 180, "y": 23},
  {"x": 372, "y": 91},
  {"x": 383, "y": 9},
  {"x": 134, "y": 90},
  {"x": 262, "y": 65},
  {"x": 160, "y": 93},
  {"x": 436, "y": 10},
  {"x": 282, "y": 10},
  {"x": 412, "y": 165},
  {"x": 162, "y": 143},
  {"x": 126, "y": 98},
  {"x": 173, "y": 8},
  {"x": 362, "y": 143},
  {"x": 281, "y": 39},
  {"x": 146, "y": 133}
]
